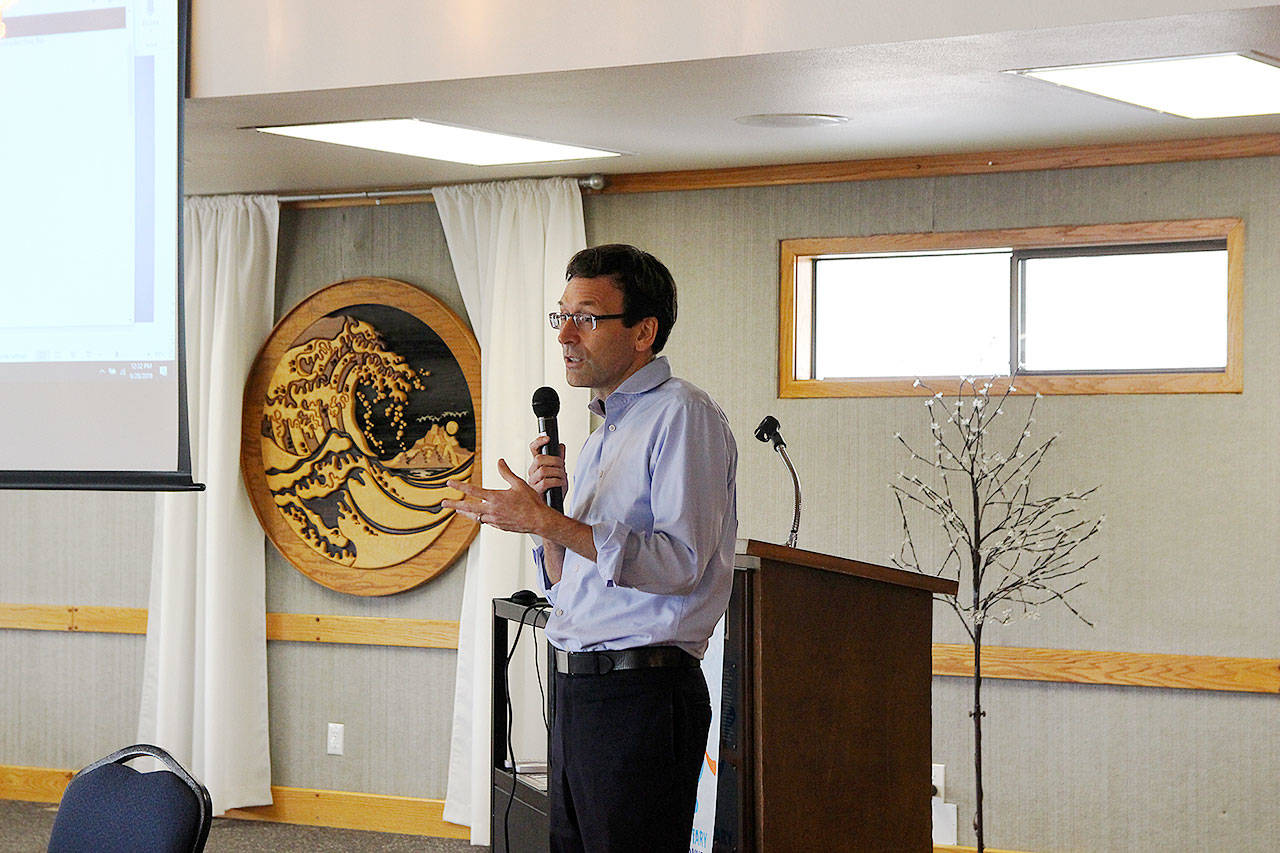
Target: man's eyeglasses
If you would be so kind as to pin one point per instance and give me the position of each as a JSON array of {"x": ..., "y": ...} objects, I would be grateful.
[{"x": 582, "y": 321}]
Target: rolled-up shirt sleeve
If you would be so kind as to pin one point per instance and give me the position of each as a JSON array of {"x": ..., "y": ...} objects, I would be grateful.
[
  {"x": 540, "y": 562},
  {"x": 691, "y": 469}
]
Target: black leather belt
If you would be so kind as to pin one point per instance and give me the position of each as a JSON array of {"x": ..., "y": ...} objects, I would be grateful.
[{"x": 645, "y": 657}]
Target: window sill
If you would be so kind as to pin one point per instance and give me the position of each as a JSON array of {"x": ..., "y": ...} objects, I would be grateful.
[{"x": 1217, "y": 382}]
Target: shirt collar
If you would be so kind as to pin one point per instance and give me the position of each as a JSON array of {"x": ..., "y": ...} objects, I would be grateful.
[{"x": 645, "y": 379}]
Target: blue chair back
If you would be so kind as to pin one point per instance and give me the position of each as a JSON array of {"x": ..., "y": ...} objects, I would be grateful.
[{"x": 109, "y": 807}]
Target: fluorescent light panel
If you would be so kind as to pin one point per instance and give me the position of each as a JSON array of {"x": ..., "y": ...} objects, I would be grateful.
[
  {"x": 1214, "y": 86},
  {"x": 439, "y": 142}
]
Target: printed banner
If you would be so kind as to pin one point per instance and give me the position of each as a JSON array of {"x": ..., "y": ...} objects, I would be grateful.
[{"x": 704, "y": 814}]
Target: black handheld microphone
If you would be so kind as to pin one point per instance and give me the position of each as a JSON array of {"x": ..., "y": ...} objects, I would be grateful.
[{"x": 546, "y": 405}]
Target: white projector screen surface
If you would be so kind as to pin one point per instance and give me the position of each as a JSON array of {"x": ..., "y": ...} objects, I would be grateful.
[{"x": 89, "y": 237}]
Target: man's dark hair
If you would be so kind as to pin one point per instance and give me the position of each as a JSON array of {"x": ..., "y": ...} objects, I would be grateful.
[{"x": 648, "y": 290}]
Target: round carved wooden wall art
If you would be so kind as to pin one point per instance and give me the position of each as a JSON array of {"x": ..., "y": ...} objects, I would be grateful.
[{"x": 364, "y": 400}]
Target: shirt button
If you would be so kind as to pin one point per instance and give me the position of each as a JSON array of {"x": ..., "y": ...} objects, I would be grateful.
[
  {"x": 612, "y": 427},
  {"x": 559, "y": 611}
]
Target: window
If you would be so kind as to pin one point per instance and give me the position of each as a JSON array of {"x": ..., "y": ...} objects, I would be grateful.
[{"x": 1151, "y": 307}]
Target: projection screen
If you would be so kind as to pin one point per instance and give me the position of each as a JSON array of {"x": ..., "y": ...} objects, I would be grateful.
[{"x": 92, "y": 390}]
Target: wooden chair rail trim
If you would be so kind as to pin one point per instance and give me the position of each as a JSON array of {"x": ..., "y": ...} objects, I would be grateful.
[
  {"x": 59, "y": 617},
  {"x": 349, "y": 810},
  {"x": 1133, "y": 669},
  {"x": 307, "y": 806},
  {"x": 291, "y": 627},
  {"x": 1130, "y": 669},
  {"x": 363, "y": 630},
  {"x": 33, "y": 784},
  {"x": 989, "y": 162}
]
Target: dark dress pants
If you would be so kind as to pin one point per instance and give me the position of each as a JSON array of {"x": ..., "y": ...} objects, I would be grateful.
[{"x": 626, "y": 752}]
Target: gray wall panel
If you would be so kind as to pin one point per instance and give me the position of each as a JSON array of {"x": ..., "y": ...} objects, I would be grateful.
[
  {"x": 76, "y": 547},
  {"x": 67, "y": 699},
  {"x": 396, "y": 706},
  {"x": 1071, "y": 767}
]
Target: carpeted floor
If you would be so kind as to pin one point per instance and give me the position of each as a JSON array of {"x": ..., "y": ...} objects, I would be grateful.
[{"x": 25, "y": 828}]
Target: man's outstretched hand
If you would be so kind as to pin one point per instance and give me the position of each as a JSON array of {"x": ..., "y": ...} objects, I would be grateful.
[{"x": 518, "y": 509}]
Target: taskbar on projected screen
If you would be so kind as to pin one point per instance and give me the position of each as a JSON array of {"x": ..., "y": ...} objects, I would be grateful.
[
  {"x": 91, "y": 421},
  {"x": 89, "y": 371}
]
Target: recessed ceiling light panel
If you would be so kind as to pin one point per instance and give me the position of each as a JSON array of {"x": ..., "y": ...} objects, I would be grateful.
[
  {"x": 1215, "y": 86},
  {"x": 439, "y": 142},
  {"x": 792, "y": 120}
]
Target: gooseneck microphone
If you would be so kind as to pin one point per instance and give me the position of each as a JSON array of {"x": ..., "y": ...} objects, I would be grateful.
[
  {"x": 768, "y": 432},
  {"x": 546, "y": 405}
]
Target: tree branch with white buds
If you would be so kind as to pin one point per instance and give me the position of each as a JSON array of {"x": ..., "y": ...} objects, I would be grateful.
[{"x": 1009, "y": 550}]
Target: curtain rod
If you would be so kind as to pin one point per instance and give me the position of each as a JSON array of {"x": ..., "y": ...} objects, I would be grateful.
[{"x": 590, "y": 182}]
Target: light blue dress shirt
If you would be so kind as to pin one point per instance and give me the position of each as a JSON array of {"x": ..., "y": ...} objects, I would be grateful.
[{"x": 656, "y": 483}]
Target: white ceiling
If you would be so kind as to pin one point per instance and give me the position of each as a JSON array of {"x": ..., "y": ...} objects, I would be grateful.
[{"x": 907, "y": 98}]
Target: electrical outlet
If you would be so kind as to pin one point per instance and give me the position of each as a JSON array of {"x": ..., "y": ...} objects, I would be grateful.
[
  {"x": 938, "y": 777},
  {"x": 334, "y": 744}
]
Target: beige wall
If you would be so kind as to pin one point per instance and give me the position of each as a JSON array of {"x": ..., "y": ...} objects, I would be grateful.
[{"x": 1189, "y": 554}]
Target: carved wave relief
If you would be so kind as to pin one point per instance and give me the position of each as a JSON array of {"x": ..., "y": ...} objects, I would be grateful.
[{"x": 358, "y": 439}]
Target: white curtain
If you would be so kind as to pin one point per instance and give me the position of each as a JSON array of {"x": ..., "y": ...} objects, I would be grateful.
[
  {"x": 509, "y": 243},
  {"x": 204, "y": 691}
]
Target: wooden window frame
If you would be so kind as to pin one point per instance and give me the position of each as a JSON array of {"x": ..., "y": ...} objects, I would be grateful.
[{"x": 796, "y": 257}]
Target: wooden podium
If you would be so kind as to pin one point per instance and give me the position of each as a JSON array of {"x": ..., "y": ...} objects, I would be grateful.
[
  {"x": 825, "y": 714},
  {"x": 825, "y": 726}
]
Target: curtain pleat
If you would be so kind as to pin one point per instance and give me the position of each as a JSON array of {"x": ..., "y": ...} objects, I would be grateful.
[
  {"x": 509, "y": 243},
  {"x": 204, "y": 693}
]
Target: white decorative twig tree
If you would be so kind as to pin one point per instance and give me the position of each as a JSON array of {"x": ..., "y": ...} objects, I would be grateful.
[{"x": 1009, "y": 550}]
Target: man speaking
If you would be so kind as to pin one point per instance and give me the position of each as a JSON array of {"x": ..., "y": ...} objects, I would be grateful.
[{"x": 640, "y": 568}]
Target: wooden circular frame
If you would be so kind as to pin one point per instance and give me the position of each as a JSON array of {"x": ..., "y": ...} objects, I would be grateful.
[{"x": 458, "y": 533}]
